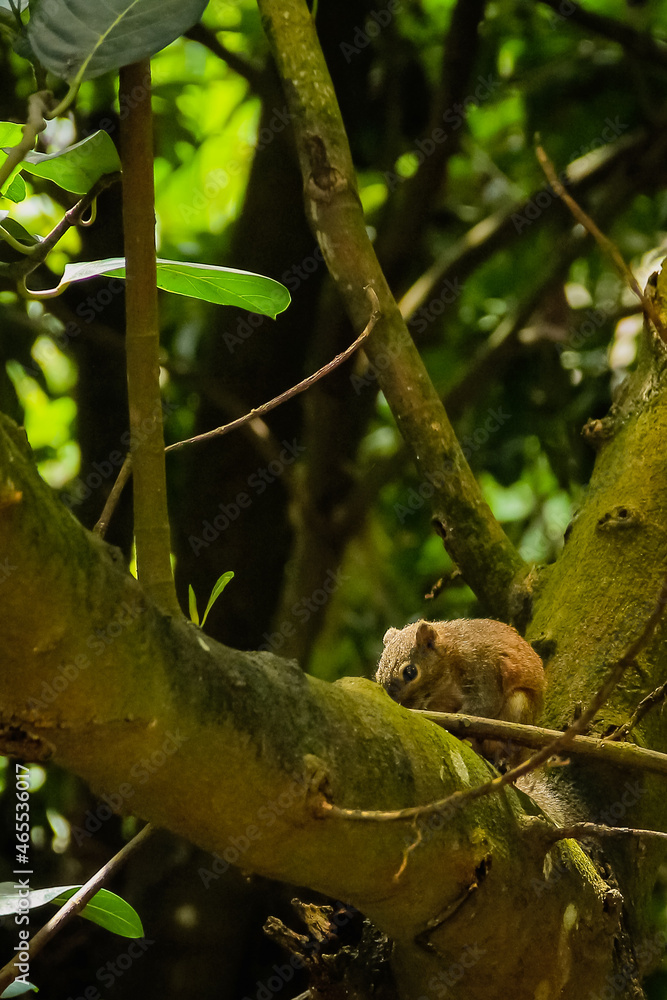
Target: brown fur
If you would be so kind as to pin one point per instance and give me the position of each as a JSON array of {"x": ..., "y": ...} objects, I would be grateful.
[{"x": 475, "y": 666}]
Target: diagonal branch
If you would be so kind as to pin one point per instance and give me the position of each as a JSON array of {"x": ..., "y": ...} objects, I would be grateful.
[
  {"x": 473, "y": 537},
  {"x": 259, "y": 411}
]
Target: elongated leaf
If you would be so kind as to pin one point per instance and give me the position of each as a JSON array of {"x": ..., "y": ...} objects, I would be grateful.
[
  {"x": 109, "y": 911},
  {"x": 78, "y": 167},
  {"x": 222, "y": 285},
  {"x": 192, "y": 605},
  {"x": 220, "y": 585},
  {"x": 84, "y": 38},
  {"x": 16, "y": 989},
  {"x": 105, "y": 908}
]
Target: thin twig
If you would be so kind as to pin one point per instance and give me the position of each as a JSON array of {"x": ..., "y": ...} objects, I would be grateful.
[
  {"x": 114, "y": 496},
  {"x": 605, "y": 244},
  {"x": 619, "y": 754},
  {"x": 38, "y": 105},
  {"x": 260, "y": 411},
  {"x": 74, "y": 904},
  {"x": 580, "y": 831},
  {"x": 644, "y": 706},
  {"x": 558, "y": 745},
  {"x": 21, "y": 268}
]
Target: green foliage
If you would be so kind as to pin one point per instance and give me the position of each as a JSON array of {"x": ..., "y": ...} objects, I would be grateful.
[
  {"x": 81, "y": 39},
  {"x": 222, "y": 285},
  {"x": 218, "y": 588},
  {"x": 105, "y": 908},
  {"x": 76, "y": 168}
]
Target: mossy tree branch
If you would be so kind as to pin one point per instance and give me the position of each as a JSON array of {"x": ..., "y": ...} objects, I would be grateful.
[
  {"x": 474, "y": 539},
  {"x": 236, "y": 751}
]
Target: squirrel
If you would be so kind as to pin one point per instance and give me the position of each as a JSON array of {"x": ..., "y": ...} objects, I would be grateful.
[{"x": 476, "y": 666}]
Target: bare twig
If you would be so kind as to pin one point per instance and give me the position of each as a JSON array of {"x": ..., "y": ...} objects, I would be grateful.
[
  {"x": 20, "y": 268},
  {"x": 558, "y": 745},
  {"x": 581, "y": 831},
  {"x": 601, "y": 750},
  {"x": 38, "y": 105},
  {"x": 114, "y": 496},
  {"x": 260, "y": 411},
  {"x": 644, "y": 706},
  {"x": 75, "y": 904},
  {"x": 605, "y": 244}
]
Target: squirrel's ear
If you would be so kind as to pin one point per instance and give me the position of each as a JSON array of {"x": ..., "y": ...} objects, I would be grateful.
[
  {"x": 426, "y": 634},
  {"x": 389, "y": 635}
]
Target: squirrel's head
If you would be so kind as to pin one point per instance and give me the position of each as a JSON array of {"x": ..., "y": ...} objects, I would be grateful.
[{"x": 411, "y": 668}]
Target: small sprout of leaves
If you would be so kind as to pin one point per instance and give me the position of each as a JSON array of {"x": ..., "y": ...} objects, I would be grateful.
[{"x": 220, "y": 585}]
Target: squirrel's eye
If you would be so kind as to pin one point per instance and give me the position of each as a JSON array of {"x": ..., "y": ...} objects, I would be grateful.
[{"x": 409, "y": 672}]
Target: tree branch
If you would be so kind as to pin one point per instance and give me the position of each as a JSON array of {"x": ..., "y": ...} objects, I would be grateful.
[
  {"x": 233, "y": 751},
  {"x": 151, "y": 521},
  {"x": 474, "y": 539}
]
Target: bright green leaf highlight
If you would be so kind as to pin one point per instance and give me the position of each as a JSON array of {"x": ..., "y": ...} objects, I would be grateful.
[
  {"x": 15, "y": 190},
  {"x": 215, "y": 593},
  {"x": 224, "y": 286},
  {"x": 109, "y": 911},
  {"x": 192, "y": 603},
  {"x": 78, "y": 167},
  {"x": 10, "y": 133}
]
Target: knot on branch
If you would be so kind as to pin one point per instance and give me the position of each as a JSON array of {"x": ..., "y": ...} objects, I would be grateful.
[
  {"x": 324, "y": 180},
  {"x": 620, "y": 517}
]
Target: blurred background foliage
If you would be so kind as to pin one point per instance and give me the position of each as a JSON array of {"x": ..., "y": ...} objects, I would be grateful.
[{"x": 525, "y": 327}]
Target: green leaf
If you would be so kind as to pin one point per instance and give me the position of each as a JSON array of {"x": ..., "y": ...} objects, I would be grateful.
[
  {"x": 192, "y": 603},
  {"x": 215, "y": 593},
  {"x": 77, "y": 167},
  {"x": 105, "y": 908},
  {"x": 222, "y": 285},
  {"x": 16, "y": 989},
  {"x": 16, "y": 230},
  {"x": 109, "y": 911},
  {"x": 10, "y": 133},
  {"x": 15, "y": 190},
  {"x": 80, "y": 39}
]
